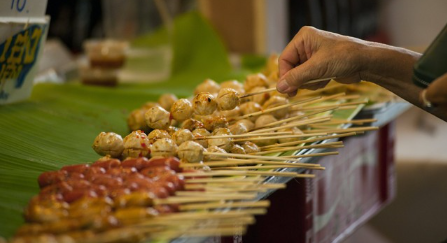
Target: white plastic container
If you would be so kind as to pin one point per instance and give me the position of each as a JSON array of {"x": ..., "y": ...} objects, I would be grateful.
[{"x": 23, "y": 31}]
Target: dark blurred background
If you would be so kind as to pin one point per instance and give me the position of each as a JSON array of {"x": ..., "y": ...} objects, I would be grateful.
[{"x": 73, "y": 21}]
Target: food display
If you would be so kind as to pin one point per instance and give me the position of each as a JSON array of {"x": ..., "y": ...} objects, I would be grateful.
[{"x": 183, "y": 155}]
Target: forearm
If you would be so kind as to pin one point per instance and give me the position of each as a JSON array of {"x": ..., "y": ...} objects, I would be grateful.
[{"x": 392, "y": 68}]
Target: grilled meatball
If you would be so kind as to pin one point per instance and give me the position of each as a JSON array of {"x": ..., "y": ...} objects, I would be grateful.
[
  {"x": 227, "y": 99},
  {"x": 181, "y": 110},
  {"x": 208, "y": 85},
  {"x": 164, "y": 147},
  {"x": 167, "y": 100},
  {"x": 157, "y": 118},
  {"x": 190, "y": 151},
  {"x": 109, "y": 144},
  {"x": 136, "y": 144},
  {"x": 204, "y": 104},
  {"x": 182, "y": 135}
]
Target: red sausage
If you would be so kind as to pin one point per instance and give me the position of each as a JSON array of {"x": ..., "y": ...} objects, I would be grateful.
[
  {"x": 172, "y": 162},
  {"x": 82, "y": 168},
  {"x": 93, "y": 171},
  {"x": 51, "y": 177},
  {"x": 137, "y": 163},
  {"x": 107, "y": 181},
  {"x": 107, "y": 164},
  {"x": 156, "y": 172},
  {"x": 74, "y": 195}
]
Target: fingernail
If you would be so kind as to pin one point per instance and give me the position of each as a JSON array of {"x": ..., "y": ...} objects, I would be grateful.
[{"x": 282, "y": 86}]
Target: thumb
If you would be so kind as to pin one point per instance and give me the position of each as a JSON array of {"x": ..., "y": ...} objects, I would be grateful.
[
  {"x": 297, "y": 77},
  {"x": 437, "y": 91}
]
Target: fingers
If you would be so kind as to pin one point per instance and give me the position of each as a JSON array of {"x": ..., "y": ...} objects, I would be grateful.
[
  {"x": 296, "y": 77},
  {"x": 289, "y": 58},
  {"x": 295, "y": 52},
  {"x": 436, "y": 93}
]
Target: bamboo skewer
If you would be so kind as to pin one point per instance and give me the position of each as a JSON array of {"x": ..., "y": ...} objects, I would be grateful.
[
  {"x": 311, "y": 155},
  {"x": 180, "y": 200},
  {"x": 210, "y": 173},
  {"x": 337, "y": 106},
  {"x": 349, "y": 97},
  {"x": 261, "y": 157},
  {"x": 247, "y": 162},
  {"x": 295, "y": 124},
  {"x": 244, "y": 135},
  {"x": 268, "y": 110},
  {"x": 274, "y": 89},
  {"x": 330, "y": 97},
  {"x": 352, "y": 129},
  {"x": 243, "y": 172},
  {"x": 283, "y": 174},
  {"x": 269, "y": 167},
  {"x": 309, "y": 140},
  {"x": 235, "y": 186},
  {"x": 318, "y": 91},
  {"x": 263, "y": 203},
  {"x": 211, "y": 194},
  {"x": 358, "y": 121},
  {"x": 284, "y": 149},
  {"x": 272, "y": 137},
  {"x": 293, "y": 118},
  {"x": 227, "y": 180}
]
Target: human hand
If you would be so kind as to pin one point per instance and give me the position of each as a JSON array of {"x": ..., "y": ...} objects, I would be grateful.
[
  {"x": 436, "y": 93},
  {"x": 315, "y": 54}
]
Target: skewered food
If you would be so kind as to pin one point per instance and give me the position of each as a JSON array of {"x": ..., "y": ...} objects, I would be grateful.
[
  {"x": 213, "y": 122},
  {"x": 207, "y": 86},
  {"x": 247, "y": 123},
  {"x": 119, "y": 194},
  {"x": 294, "y": 130},
  {"x": 171, "y": 130},
  {"x": 157, "y": 134},
  {"x": 214, "y": 149},
  {"x": 259, "y": 98},
  {"x": 237, "y": 149},
  {"x": 238, "y": 128},
  {"x": 200, "y": 135},
  {"x": 264, "y": 120},
  {"x": 227, "y": 99},
  {"x": 250, "y": 147},
  {"x": 136, "y": 144},
  {"x": 164, "y": 147},
  {"x": 181, "y": 110},
  {"x": 233, "y": 84},
  {"x": 231, "y": 113},
  {"x": 182, "y": 135},
  {"x": 250, "y": 107},
  {"x": 204, "y": 103},
  {"x": 255, "y": 80},
  {"x": 190, "y": 151},
  {"x": 192, "y": 124},
  {"x": 109, "y": 143},
  {"x": 136, "y": 121},
  {"x": 225, "y": 143},
  {"x": 166, "y": 101},
  {"x": 275, "y": 101},
  {"x": 157, "y": 118}
]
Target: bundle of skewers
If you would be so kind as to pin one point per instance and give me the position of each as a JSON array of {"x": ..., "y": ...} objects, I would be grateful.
[
  {"x": 190, "y": 167},
  {"x": 136, "y": 199}
]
